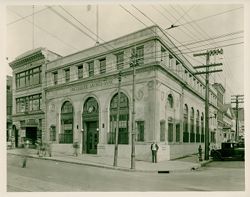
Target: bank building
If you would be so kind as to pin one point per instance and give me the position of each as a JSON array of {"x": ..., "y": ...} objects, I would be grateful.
[{"x": 74, "y": 98}]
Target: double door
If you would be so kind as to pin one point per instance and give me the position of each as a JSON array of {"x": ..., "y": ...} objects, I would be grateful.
[{"x": 92, "y": 137}]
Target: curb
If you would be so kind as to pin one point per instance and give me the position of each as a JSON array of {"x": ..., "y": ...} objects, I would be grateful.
[{"x": 197, "y": 166}]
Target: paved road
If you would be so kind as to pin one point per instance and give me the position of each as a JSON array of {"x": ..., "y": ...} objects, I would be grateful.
[{"x": 44, "y": 175}]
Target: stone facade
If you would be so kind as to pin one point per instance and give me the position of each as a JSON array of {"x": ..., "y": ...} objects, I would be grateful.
[{"x": 80, "y": 99}]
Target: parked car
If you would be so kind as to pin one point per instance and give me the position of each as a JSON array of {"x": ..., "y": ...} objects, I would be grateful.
[{"x": 229, "y": 151}]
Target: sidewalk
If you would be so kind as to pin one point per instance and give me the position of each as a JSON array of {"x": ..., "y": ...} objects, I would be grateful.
[{"x": 184, "y": 164}]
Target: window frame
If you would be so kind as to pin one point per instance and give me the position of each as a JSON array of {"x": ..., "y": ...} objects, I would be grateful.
[
  {"x": 103, "y": 65},
  {"x": 91, "y": 68},
  {"x": 119, "y": 64},
  {"x": 67, "y": 75}
]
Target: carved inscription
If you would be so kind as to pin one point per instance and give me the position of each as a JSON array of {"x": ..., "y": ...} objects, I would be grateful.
[{"x": 92, "y": 85}]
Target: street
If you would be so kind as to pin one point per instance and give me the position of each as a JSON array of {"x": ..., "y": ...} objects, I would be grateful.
[{"x": 44, "y": 175}]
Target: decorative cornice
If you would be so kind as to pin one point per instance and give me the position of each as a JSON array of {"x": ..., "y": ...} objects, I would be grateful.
[{"x": 26, "y": 60}]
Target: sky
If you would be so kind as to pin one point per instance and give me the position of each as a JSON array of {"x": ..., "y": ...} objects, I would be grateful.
[{"x": 199, "y": 27}]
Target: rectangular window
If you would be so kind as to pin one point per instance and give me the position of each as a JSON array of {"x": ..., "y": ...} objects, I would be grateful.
[
  {"x": 80, "y": 72},
  {"x": 140, "y": 131},
  {"x": 36, "y": 75},
  {"x": 140, "y": 55},
  {"x": 20, "y": 104},
  {"x": 102, "y": 66},
  {"x": 91, "y": 69},
  {"x": 177, "y": 132},
  {"x": 22, "y": 80},
  {"x": 9, "y": 110},
  {"x": 28, "y": 77},
  {"x": 162, "y": 131},
  {"x": 120, "y": 60},
  {"x": 170, "y": 132},
  {"x": 52, "y": 133},
  {"x": 55, "y": 78},
  {"x": 28, "y": 103},
  {"x": 67, "y": 75}
]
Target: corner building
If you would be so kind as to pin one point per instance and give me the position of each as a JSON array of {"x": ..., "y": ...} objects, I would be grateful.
[{"x": 81, "y": 98}]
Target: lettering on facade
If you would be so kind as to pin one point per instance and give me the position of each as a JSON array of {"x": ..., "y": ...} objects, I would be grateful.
[{"x": 93, "y": 85}]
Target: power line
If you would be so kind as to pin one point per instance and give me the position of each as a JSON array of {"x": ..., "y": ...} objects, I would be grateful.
[
  {"x": 77, "y": 20},
  {"x": 206, "y": 34},
  {"x": 72, "y": 24},
  {"x": 212, "y": 38},
  {"x": 44, "y": 30},
  {"x": 132, "y": 15},
  {"x": 182, "y": 24},
  {"x": 213, "y": 47},
  {"x": 215, "y": 42},
  {"x": 184, "y": 14},
  {"x": 24, "y": 17}
]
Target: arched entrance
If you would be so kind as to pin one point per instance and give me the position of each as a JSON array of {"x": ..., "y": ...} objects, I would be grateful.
[{"x": 90, "y": 124}]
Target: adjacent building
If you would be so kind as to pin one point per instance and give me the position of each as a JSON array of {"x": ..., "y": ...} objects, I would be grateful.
[
  {"x": 76, "y": 98},
  {"x": 9, "y": 108},
  {"x": 28, "y": 96}
]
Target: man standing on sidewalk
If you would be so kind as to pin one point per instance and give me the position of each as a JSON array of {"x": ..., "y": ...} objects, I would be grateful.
[
  {"x": 25, "y": 154},
  {"x": 154, "y": 149}
]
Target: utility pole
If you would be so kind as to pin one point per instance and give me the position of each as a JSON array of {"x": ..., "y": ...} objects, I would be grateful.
[
  {"x": 33, "y": 31},
  {"x": 237, "y": 99},
  {"x": 117, "y": 120},
  {"x": 97, "y": 24},
  {"x": 133, "y": 64},
  {"x": 207, "y": 72}
]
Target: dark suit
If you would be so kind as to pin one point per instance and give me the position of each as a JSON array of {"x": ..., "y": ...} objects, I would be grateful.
[{"x": 154, "y": 152}]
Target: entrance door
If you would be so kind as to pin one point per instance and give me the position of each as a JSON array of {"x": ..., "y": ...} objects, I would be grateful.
[
  {"x": 92, "y": 137},
  {"x": 31, "y": 134}
]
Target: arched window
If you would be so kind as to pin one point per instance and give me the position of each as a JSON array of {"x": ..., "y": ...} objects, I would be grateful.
[
  {"x": 123, "y": 119},
  {"x": 192, "y": 135},
  {"x": 202, "y": 127},
  {"x": 170, "y": 101},
  {"x": 198, "y": 126},
  {"x": 185, "y": 124},
  {"x": 66, "y": 135}
]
